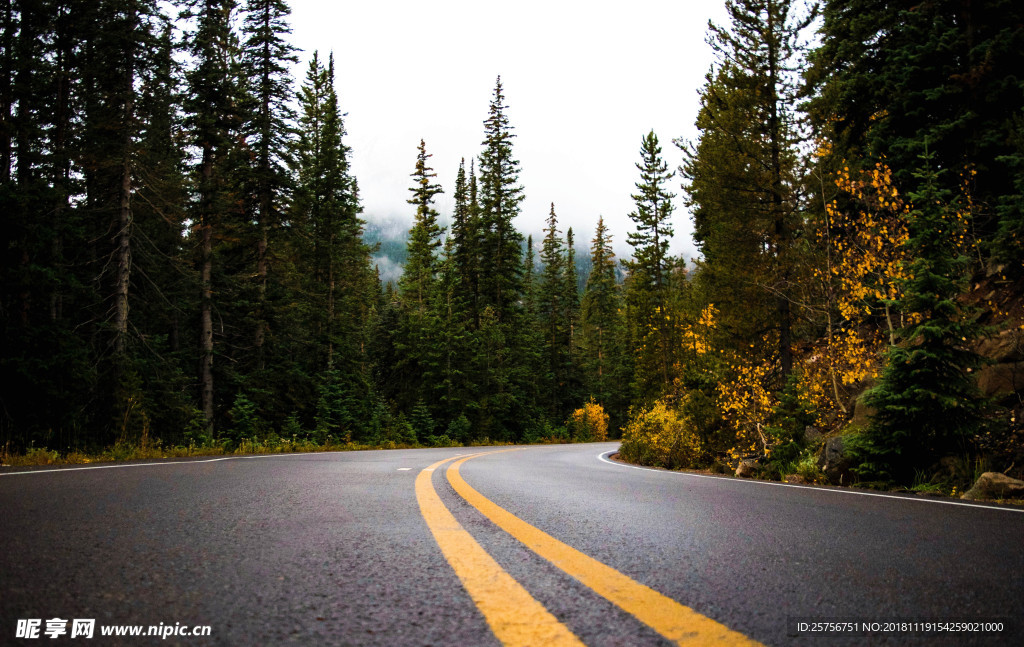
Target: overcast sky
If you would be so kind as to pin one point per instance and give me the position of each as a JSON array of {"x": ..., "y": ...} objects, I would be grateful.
[{"x": 583, "y": 82}]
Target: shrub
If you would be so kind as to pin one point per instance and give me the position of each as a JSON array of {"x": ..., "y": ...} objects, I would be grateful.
[
  {"x": 459, "y": 430},
  {"x": 659, "y": 436},
  {"x": 588, "y": 423}
]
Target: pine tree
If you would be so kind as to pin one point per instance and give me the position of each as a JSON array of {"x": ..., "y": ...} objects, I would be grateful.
[
  {"x": 419, "y": 335},
  {"x": 464, "y": 236},
  {"x": 731, "y": 224},
  {"x": 651, "y": 264},
  {"x": 927, "y": 403},
  {"x": 599, "y": 314},
  {"x": 889, "y": 79},
  {"x": 265, "y": 61},
  {"x": 501, "y": 269},
  {"x": 451, "y": 386},
  {"x": 530, "y": 280},
  {"x": 571, "y": 300},
  {"x": 422, "y": 262},
  {"x": 166, "y": 288},
  {"x": 122, "y": 52},
  {"x": 49, "y": 299},
  {"x": 502, "y": 372},
  {"x": 747, "y": 116},
  {"x": 337, "y": 280},
  {"x": 551, "y": 314},
  {"x": 214, "y": 122}
]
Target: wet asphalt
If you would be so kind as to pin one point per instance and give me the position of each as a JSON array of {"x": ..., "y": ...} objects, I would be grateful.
[{"x": 331, "y": 549}]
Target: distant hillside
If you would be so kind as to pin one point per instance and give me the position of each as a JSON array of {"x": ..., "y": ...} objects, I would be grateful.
[{"x": 391, "y": 253}]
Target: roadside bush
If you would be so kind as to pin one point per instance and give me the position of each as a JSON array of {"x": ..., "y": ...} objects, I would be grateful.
[
  {"x": 245, "y": 421},
  {"x": 589, "y": 423},
  {"x": 659, "y": 436},
  {"x": 459, "y": 430},
  {"x": 542, "y": 431}
]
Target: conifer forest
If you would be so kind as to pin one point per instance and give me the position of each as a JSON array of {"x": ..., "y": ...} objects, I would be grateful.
[{"x": 185, "y": 266}]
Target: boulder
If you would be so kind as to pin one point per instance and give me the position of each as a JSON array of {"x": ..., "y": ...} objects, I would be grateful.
[
  {"x": 862, "y": 413},
  {"x": 795, "y": 479},
  {"x": 834, "y": 462},
  {"x": 748, "y": 467},
  {"x": 1007, "y": 346},
  {"x": 993, "y": 485},
  {"x": 812, "y": 435},
  {"x": 1001, "y": 379}
]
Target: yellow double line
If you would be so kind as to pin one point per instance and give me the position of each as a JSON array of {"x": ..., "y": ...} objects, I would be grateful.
[{"x": 515, "y": 617}]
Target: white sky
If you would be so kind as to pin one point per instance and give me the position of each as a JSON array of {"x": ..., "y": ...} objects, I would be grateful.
[{"x": 584, "y": 81}]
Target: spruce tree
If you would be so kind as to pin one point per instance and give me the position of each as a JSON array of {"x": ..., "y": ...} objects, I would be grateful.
[
  {"x": 419, "y": 335},
  {"x": 121, "y": 54},
  {"x": 266, "y": 58},
  {"x": 927, "y": 402},
  {"x": 755, "y": 85},
  {"x": 336, "y": 279},
  {"x": 599, "y": 311},
  {"x": 551, "y": 314},
  {"x": 731, "y": 223},
  {"x": 651, "y": 264},
  {"x": 464, "y": 236},
  {"x": 213, "y": 121},
  {"x": 421, "y": 266},
  {"x": 451, "y": 386},
  {"x": 501, "y": 268},
  {"x": 890, "y": 79},
  {"x": 571, "y": 301}
]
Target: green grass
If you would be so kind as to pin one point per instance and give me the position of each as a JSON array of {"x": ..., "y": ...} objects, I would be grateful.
[{"x": 36, "y": 456}]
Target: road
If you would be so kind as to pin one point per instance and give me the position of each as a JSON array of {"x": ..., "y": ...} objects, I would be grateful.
[{"x": 541, "y": 545}]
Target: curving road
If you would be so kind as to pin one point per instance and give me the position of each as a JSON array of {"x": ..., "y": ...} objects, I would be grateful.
[{"x": 539, "y": 545}]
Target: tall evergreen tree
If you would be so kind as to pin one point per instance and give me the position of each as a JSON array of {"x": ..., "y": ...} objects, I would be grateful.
[
  {"x": 744, "y": 175},
  {"x": 123, "y": 54},
  {"x": 214, "y": 122},
  {"x": 419, "y": 337},
  {"x": 464, "y": 236},
  {"x": 651, "y": 264},
  {"x": 890, "y": 79},
  {"x": 422, "y": 262},
  {"x": 339, "y": 284},
  {"x": 266, "y": 58},
  {"x": 927, "y": 403},
  {"x": 49, "y": 298},
  {"x": 501, "y": 267},
  {"x": 552, "y": 308},
  {"x": 598, "y": 325}
]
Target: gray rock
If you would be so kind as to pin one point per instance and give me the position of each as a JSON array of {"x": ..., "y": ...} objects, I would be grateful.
[
  {"x": 862, "y": 413},
  {"x": 1001, "y": 379},
  {"x": 812, "y": 435},
  {"x": 993, "y": 485},
  {"x": 833, "y": 460},
  {"x": 748, "y": 467},
  {"x": 1007, "y": 346}
]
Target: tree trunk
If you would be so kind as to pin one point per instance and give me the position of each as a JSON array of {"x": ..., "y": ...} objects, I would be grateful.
[
  {"x": 206, "y": 286},
  {"x": 124, "y": 232},
  {"x": 783, "y": 309}
]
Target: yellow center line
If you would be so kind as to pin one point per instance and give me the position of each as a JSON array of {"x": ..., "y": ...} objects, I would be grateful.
[
  {"x": 674, "y": 621},
  {"x": 514, "y": 616}
]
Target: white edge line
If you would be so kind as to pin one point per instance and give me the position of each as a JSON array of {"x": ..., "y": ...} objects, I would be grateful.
[
  {"x": 603, "y": 456},
  {"x": 157, "y": 464}
]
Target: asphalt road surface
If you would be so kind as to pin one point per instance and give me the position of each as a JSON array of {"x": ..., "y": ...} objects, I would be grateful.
[{"x": 536, "y": 545}]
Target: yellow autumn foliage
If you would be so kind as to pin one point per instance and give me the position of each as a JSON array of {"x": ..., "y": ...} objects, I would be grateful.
[
  {"x": 589, "y": 423},
  {"x": 661, "y": 437},
  {"x": 746, "y": 403}
]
